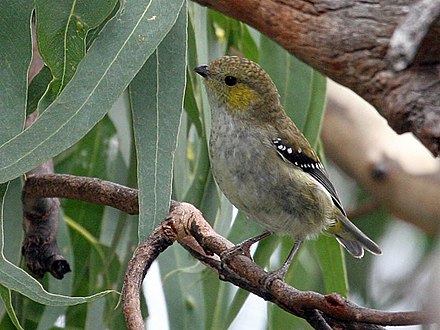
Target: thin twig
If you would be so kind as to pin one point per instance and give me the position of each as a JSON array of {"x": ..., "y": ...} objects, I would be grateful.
[{"x": 137, "y": 268}]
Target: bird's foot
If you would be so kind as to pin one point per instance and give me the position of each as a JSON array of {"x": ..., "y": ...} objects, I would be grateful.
[
  {"x": 278, "y": 274},
  {"x": 243, "y": 248},
  {"x": 239, "y": 249}
]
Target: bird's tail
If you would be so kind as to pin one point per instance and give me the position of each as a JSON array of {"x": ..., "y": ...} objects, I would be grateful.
[{"x": 351, "y": 238}]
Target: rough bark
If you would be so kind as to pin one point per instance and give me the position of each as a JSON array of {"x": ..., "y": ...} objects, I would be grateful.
[
  {"x": 186, "y": 225},
  {"x": 347, "y": 40}
]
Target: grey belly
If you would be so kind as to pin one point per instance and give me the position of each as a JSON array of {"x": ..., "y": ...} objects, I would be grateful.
[{"x": 272, "y": 193}]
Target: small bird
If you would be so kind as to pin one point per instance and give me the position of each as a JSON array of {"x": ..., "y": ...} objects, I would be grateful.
[{"x": 265, "y": 166}]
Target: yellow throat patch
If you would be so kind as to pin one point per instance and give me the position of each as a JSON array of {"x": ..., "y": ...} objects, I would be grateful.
[{"x": 241, "y": 97}]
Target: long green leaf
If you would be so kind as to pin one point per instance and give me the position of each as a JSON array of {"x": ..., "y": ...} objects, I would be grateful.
[
  {"x": 5, "y": 294},
  {"x": 113, "y": 60},
  {"x": 62, "y": 28},
  {"x": 198, "y": 16},
  {"x": 157, "y": 101},
  {"x": 315, "y": 113},
  {"x": 12, "y": 210},
  {"x": 331, "y": 259},
  {"x": 186, "y": 304},
  {"x": 182, "y": 285},
  {"x": 18, "y": 280},
  {"x": 15, "y": 56}
]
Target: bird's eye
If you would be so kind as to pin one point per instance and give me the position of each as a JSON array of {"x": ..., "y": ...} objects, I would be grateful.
[{"x": 230, "y": 80}]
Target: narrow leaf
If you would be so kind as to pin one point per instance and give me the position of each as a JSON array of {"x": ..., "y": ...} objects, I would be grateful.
[
  {"x": 5, "y": 294},
  {"x": 331, "y": 259},
  {"x": 113, "y": 60},
  {"x": 62, "y": 28},
  {"x": 157, "y": 100},
  {"x": 315, "y": 113},
  {"x": 15, "y": 56}
]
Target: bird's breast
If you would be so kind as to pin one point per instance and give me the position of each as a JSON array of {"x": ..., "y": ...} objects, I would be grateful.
[{"x": 257, "y": 181}]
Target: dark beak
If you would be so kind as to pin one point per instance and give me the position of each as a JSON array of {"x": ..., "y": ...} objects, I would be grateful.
[{"x": 202, "y": 70}]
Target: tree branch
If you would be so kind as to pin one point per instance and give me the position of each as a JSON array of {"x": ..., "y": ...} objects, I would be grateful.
[
  {"x": 85, "y": 189},
  {"x": 408, "y": 36},
  {"x": 186, "y": 225},
  {"x": 348, "y": 41}
]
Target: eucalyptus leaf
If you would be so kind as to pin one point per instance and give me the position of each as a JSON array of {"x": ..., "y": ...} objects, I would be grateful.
[
  {"x": 37, "y": 88},
  {"x": 315, "y": 113},
  {"x": 15, "y": 57},
  {"x": 113, "y": 60},
  {"x": 185, "y": 301},
  {"x": 62, "y": 28},
  {"x": 331, "y": 259},
  {"x": 5, "y": 295},
  {"x": 157, "y": 95}
]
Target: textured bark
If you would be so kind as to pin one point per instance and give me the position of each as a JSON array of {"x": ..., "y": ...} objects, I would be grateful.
[
  {"x": 85, "y": 189},
  {"x": 186, "y": 225},
  {"x": 347, "y": 40},
  {"x": 40, "y": 223}
]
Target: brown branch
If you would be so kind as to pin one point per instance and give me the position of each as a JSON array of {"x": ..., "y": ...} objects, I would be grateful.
[
  {"x": 408, "y": 36},
  {"x": 41, "y": 215},
  {"x": 85, "y": 189},
  {"x": 348, "y": 41},
  {"x": 144, "y": 255},
  {"x": 40, "y": 223},
  {"x": 185, "y": 223}
]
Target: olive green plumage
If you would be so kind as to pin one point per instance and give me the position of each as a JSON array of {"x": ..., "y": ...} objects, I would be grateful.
[{"x": 263, "y": 163}]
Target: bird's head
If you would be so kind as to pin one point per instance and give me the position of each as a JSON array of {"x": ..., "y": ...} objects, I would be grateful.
[{"x": 240, "y": 85}]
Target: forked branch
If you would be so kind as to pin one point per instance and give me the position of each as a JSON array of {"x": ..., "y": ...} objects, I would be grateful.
[{"x": 186, "y": 225}]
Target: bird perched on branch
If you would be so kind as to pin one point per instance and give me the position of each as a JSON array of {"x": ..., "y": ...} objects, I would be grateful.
[{"x": 265, "y": 166}]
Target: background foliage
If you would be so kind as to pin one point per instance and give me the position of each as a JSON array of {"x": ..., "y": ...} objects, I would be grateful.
[{"x": 118, "y": 100}]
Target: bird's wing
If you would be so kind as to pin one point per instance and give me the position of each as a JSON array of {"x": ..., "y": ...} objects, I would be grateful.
[{"x": 311, "y": 166}]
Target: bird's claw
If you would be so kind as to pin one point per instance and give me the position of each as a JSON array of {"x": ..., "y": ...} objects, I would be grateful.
[
  {"x": 279, "y": 274},
  {"x": 239, "y": 249}
]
